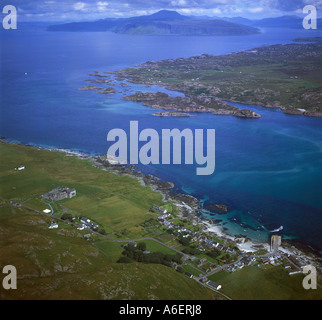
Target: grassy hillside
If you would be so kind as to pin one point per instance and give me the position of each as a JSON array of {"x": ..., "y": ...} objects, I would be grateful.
[
  {"x": 269, "y": 283},
  {"x": 60, "y": 263},
  {"x": 118, "y": 203}
]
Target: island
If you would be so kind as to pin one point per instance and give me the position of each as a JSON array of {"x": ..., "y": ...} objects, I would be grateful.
[
  {"x": 172, "y": 114},
  {"x": 86, "y": 88},
  {"x": 164, "y": 22},
  {"x": 108, "y": 91},
  {"x": 161, "y": 100}
]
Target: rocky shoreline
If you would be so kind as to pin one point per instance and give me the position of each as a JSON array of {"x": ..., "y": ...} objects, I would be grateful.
[
  {"x": 190, "y": 209},
  {"x": 197, "y": 104},
  {"x": 172, "y": 114},
  {"x": 189, "y": 206},
  {"x": 207, "y": 81}
]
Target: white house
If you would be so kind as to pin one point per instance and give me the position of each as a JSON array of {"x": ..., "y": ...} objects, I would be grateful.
[
  {"x": 53, "y": 225},
  {"x": 214, "y": 285}
]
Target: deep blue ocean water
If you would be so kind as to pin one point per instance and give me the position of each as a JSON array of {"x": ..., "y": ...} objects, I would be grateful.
[{"x": 268, "y": 170}]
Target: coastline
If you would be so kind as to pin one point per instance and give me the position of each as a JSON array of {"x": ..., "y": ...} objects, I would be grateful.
[
  {"x": 189, "y": 206},
  {"x": 205, "y": 93}
]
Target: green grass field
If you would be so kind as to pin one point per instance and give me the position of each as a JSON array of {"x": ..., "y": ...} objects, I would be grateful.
[
  {"x": 153, "y": 246},
  {"x": 60, "y": 263},
  {"x": 272, "y": 283},
  {"x": 118, "y": 203}
]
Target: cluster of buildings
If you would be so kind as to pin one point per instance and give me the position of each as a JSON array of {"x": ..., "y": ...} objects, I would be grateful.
[
  {"x": 273, "y": 260},
  {"x": 205, "y": 243},
  {"x": 87, "y": 224},
  {"x": 160, "y": 209},
  {"x": 60, "y": 193},
  {"x": 244, "y": 262}
]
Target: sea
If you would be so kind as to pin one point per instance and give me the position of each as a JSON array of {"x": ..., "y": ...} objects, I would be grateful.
[{"x": 267, "y": 171}]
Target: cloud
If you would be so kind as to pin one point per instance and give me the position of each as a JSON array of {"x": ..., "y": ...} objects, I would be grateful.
[
  {"x": 76, "y": 10},
  {"x": 102, "y": 6},
  {"x": 79, "y": 6},
  {"x": 292, "y": 5},
  {"x": 256, "y": 10}
]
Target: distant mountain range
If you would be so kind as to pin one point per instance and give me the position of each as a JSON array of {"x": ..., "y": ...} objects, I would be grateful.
[
  {"x": 163, "y": 22},
  {"x": 292, "y": 22},
  {"x": 167, "y": 22}
]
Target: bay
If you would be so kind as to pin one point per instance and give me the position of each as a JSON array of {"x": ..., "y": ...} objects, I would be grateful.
[{"x": 268, "y": 170}]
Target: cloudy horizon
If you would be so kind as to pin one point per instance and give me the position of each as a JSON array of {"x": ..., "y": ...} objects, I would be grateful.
[{"x": 86, "y": 10}]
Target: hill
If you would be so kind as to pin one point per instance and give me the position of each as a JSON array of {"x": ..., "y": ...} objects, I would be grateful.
[
  {"x": 290, "y": 22},
  {"x": 63, "y": 263},
  {"x": 163, "y": 22}
]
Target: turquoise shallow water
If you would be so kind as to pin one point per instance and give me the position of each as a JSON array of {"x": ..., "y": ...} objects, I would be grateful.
[{"x": 268, "y": 170}]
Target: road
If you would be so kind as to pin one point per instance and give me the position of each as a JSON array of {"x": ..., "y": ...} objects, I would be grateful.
[{"x": 185, "y": 256}]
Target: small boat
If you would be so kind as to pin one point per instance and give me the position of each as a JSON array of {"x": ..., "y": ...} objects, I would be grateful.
[{"x": 278, "y": 229}]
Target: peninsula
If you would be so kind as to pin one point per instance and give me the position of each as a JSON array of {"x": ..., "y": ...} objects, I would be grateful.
[{"x": 287, "y": 77}]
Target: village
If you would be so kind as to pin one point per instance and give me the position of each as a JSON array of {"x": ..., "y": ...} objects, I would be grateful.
[
  {"x": 198, "y": 262},
  {"x": 202, "y": 256},
  {"x": 275, "y": 257}
]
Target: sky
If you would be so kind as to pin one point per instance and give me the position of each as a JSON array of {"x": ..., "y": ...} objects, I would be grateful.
[{"x": 88, "y": 10}]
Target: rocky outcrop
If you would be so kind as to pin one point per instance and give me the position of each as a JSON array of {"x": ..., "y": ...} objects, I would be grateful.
[
  {"x": 86, "y": 88},
  {"x": 200, "y": 103},
  {"x": 245, "y": 113},
  {"x": 313, "y": 114},
  {"x": 218, "y": 208},
  {"x": 292, "y": 111},
  {"x": 108, "y": 91},
  {"x": 172, "y": 114}
]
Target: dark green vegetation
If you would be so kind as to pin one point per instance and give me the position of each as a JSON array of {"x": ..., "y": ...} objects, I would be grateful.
[
  {"x": 163, "y": 22},
  {"x": 288, "y": 77},
  {"x": 133, "y": 252}
]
